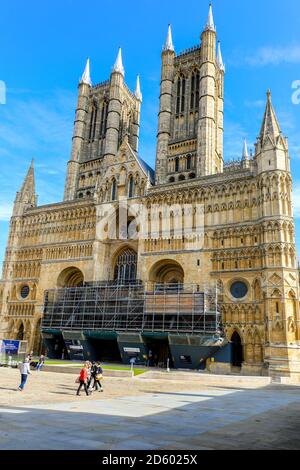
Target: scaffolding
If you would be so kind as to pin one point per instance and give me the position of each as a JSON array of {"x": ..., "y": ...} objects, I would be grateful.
[{"x": 150, "y": 307}]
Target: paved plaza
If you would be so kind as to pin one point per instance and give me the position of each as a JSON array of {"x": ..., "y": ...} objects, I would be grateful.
[{"x": 147, "y": 414}]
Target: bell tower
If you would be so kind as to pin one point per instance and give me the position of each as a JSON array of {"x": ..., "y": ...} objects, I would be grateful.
[{"x": 190, "y": 121}]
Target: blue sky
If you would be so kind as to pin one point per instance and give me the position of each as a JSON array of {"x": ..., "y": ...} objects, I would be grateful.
[{"x": 44, "y": 46}]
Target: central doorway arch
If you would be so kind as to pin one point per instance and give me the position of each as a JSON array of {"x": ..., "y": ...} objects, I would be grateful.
[
  {"x": 237, "y": 350},
  {"x": 70, "y": 277},
  {"x": 167, "y": 271}
]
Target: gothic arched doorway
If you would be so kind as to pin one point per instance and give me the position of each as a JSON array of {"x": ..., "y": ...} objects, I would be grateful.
[
  {"x": 125, "y": 267},
  {"x": 20, "y": 334},
  {"x": 237, "y": 350}
]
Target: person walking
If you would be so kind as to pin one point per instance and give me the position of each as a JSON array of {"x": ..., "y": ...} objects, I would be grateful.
[
  {"x": 30, "y": 356},
  {"x": 90, "y": 377},
  {"x": 40, "y": 363},
  {"x": 25, "y": 371},
  {"x": 150, "y": 359},
  {"x": 97, "y": 375},
  {"x": 83, "y": 378}
]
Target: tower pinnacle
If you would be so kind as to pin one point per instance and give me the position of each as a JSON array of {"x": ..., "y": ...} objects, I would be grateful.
[
  {"x": 169, "y": 46},
  {"x": 118, "y": 67},
  {"x": 137, "y": 92},
  {"x": 220, "y": 58},
  {"x": 86, "y": 77},
  {"x": 245, "y": 150},
  {"x": 270, "y": 125},
  {"x": 210, "y": 26}
]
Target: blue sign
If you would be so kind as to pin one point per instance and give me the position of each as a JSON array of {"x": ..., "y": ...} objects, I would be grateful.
[{"x": 10, "y": 347}]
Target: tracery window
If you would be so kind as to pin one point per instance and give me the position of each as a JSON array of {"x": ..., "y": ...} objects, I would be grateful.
[
  {"x": 125, "y": 267},
  {"x": 238, "y": 289}
]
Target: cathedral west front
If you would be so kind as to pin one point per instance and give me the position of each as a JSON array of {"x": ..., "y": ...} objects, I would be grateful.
[{"x": 228, "y": 303}]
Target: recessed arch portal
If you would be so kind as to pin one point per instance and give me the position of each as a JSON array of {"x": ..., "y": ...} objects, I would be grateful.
[
  {"x": 70, "y": 277},
  {"x": 237, "y": 350},
  {"x": 167, "y": 272},
  {"x": 21, "y": 332}
]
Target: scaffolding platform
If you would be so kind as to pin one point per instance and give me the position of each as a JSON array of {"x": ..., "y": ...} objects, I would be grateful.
[{"x": 138, "y": 307}]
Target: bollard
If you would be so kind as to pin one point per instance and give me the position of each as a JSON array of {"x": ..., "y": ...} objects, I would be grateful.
[{"x": 168, "y": 365}]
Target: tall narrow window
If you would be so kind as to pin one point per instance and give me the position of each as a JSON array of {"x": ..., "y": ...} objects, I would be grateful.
[
  {"x": 180, "y": 98},
  {"x": 182, "y": 94},
  {"x": 197, "y": 90},
  {"x": 103, "y": 123},
  {"x": 114, "y": 190},
  {"x": 195, "y": 84},
  {"x": 193, "y": 91},
  {"x": 131, "y": 187},
  {"x": 176, "y": 164},
  {"x": 93, "y": 122},
  {"x": 188, "y": 162}
]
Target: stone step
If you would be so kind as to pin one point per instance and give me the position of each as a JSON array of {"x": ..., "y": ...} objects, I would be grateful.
[{"x": 208, "y": 379}]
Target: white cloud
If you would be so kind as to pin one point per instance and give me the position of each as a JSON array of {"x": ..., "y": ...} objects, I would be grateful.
[
  {"x": 270, "y": 55},
  {"x": 255, "y": 104}
]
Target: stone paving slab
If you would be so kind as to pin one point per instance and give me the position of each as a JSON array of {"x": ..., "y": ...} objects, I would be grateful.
[
  {"x": 218, "y": 419},
  {"x": 147, "y": 414}
]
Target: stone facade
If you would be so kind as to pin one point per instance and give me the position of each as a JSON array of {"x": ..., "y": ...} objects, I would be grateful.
[{"x": 248, "y": 217}]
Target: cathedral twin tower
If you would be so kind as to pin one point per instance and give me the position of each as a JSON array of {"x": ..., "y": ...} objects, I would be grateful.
[{"x": 190, "y": 112}]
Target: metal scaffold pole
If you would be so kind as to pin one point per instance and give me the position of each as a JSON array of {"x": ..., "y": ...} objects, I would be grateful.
[{"x": 173, "y": 308}]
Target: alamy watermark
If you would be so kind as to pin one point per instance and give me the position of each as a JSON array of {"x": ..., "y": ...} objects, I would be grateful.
[
  {"x": 296, "y": 94},
  {"x": 124, "y": 220},
  {"x": 2, "y": 92}
]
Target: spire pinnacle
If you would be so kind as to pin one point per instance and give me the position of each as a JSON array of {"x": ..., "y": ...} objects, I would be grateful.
[
  {"x": 26, "y": 197},
  {"x": 169, "y": 46},
  {"x": 210, "y": 26},
  {"x": 118, "y": 67},
  {"x": 270, "y": 125},
  {"x": 29, "y": 175},
  {"x": 220, "y": 58},
  {"x": 86, "y": 77},
  {"x": 138, "y": 93},
  {"x": 245, "y": 150}
]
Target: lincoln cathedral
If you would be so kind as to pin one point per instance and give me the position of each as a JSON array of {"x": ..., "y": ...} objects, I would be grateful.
[{"x": 230, "y": 305}]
